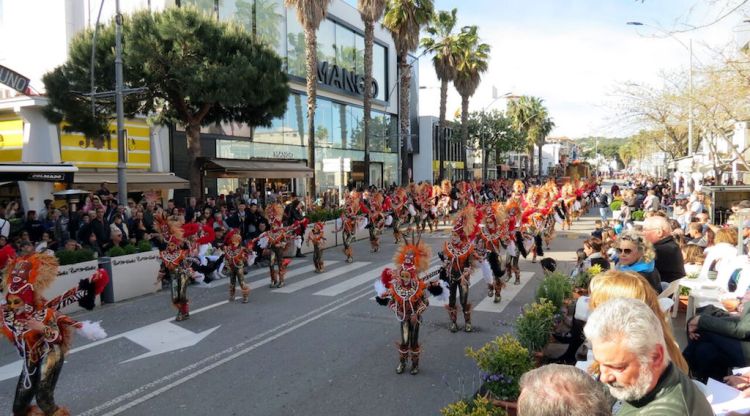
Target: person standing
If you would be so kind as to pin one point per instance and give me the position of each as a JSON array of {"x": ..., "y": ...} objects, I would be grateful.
[
  {"x": 235, "y": 256},
  {"x": 669, "y": 260},
  {"x": 458, "y": 256}
]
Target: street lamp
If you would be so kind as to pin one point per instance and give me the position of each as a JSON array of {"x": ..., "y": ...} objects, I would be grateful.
[{"x": 690, "y": 80}]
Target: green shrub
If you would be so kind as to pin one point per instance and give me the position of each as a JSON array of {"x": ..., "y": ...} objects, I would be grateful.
[
  {"x": 638, "y": 215},
  {"x": 130, "y": 249},
  {"x": 144, "y": 246},
  {"x": 116, "y": 251},
  {"x": 479, "y": 406},
  {"x": 324, "y": 214},
  {"x": 502, "y": 362},
  {"x": 534, "y": 326},
  {"x": 65, "y": 257},
  {"x": 556, "y": 287},
  {"x": 615, "y": 205}
]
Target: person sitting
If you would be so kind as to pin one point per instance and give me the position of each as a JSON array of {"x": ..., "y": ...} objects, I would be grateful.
[
  {"x": 593, "y": 249},
  {"x": 636, "y": 254},
  {"x": 561, "y": 390},
  {"x": 628, "y": 343},
  {"x": 693, "y": 258},
  {"x": 718, "y": 341},
  {"x": 669, "y": 261},
  {"x": 696, "y": 235},
  {"x": 598, "y": 229}
]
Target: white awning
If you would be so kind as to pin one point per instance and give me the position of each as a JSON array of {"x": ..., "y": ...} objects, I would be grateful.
[
  {"x": 233, "y": 168},
  {"x": 137, "y": 181}
]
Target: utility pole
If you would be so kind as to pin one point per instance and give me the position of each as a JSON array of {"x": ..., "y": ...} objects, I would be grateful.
[
  {"x": 690, "y": 103},
  {"x": 122, "y": 186}
]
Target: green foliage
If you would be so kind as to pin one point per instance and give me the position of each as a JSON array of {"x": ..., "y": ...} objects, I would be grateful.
[
  {"x": 534, "y": 326},
  {"x": 115, "y": 251},
  {"x": 684, "y": 291},
  {"x": 494, "y": 131},
  {"x": 502, "y": 362},
  {"x": 638, "y": 215},
  {"x": 65, "y": 257},
  {"x": 324, "y": 214},
  {"x": 616, "y": 205},
  {"x": 583, "y": 279},
  {"x": 479, "y": 406},
  {"x": 144, "y": 246},
  {"x": 130, "y": 249},
  {"x": 555, "y": 287}
]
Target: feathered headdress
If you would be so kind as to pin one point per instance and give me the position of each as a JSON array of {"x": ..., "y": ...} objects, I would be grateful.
[
  {"x": 28, "y": 276},
  {"x": 275, "y": 213},
  {"x": 319, "y": 225},
  {"x": 518, "y": 186},
  {"x": 167, "y": 228},
  {"x": 230, "y": 235},
  {"x": 465, "y": 223},
  {"x": 446, "y": 187},
  {"x": 511, "y": 207},
  {"x": 376, "y": 201},
  {"x": 414, "y": 258}
]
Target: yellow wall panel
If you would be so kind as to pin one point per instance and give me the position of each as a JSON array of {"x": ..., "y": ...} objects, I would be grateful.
[
  {"x": 75, "y": 148},
  {"x": 11, "y": 139}
]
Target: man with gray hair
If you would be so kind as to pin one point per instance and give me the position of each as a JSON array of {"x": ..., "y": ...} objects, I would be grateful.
[
  {"x": 561, "y": 390},
  {"x": 669, "y": 261},
  {"x": 627, "y": 341}
]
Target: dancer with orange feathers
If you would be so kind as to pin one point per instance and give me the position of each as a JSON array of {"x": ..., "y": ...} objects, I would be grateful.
[
  {"x": 490, "y": 242},
  {"x": 39, "y": 331},
  {"x": 405, "y": 293},
  {"x": 458, "y": 256}
]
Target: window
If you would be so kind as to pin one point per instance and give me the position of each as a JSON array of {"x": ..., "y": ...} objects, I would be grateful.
[
  {"x": 379, "y": 70},
  {"x": 346, "y": 48},
  {"x": 357, "y": 134},
  {"x": 208, "y": 6},
  {"x": 323, "y": 123},
  {"x": 340, "y": 125},
  {"x": 295, "y": 120},
  {"x": 295, "y": 45},
  {"x": 327, "y": 42}
]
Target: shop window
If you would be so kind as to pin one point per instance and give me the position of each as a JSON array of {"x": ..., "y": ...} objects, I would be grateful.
[
  {"x": 379, "y": 68},
  {"x": 346, "y": 48},
  {"x": 357, "y": 135},
  {"x": 295, "y": 120},
  {"x": 295, "y": 45},
  {"x": 324, "y": 123},
  {"x": 339, "y": 125},
  {"x": 327, "y": 42}
]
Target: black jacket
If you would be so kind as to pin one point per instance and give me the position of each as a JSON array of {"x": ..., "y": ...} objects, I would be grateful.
[{"x": 669, "y": 260}]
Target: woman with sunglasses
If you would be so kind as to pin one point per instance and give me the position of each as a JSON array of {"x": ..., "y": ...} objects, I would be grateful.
[{"x": 636, "y": 254}]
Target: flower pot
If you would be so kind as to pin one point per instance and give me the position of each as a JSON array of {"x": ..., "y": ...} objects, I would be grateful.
[
  {"x": 683, "y": 303},
  {"x": 510, "y": 407}
]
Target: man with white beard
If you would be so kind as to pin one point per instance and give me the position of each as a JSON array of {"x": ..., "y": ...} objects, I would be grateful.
[{"x": 628, "y": 342}]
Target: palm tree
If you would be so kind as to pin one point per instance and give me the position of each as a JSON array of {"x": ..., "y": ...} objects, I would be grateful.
[
  {"x": 404, "y": 19},
  {"x": 371, "y": 11},
  {"x": 443, "y": 42},
  {"x": 473, "y": 60},
  {"x": 529, "y": 115},
  {"x": 542, "y": 131},
  {"x": 310, "y": 14}
]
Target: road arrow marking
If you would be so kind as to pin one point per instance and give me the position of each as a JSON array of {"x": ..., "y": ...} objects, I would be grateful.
[{"x": 164, "y": 337}]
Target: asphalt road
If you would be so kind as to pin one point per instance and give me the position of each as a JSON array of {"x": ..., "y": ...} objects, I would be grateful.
[{"x": 319, "y": 346}]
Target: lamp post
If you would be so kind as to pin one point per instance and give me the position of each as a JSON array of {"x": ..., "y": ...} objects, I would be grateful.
[{"x": 689, "y": 47}]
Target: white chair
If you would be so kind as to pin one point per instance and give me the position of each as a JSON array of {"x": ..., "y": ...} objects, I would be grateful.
[{"x": 672, "y": 293}]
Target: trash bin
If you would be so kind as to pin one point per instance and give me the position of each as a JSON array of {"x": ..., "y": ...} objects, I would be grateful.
[{"x": 108, "y": 295}]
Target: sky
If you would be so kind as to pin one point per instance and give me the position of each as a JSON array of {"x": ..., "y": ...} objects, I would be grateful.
[{"x": 574, "y": 53}]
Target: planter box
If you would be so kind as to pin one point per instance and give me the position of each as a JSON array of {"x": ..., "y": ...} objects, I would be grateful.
[
  {"x": 135, "y": 274},
  {"x": 68, "y": 277}
]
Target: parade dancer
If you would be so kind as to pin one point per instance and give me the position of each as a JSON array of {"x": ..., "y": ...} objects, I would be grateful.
[
  {"x": 405, "y": 293},
  {"x": 174, "y": 260},
  {"x": 444, "y": 202},
  {"x": 235, "y": 256},
  {"x": 316, "y": 237},
  {"x": 510, "y": 241},
  {"x": 458, "y": 255},
  {"x": 399, "y": 202},
  {"x": 376, "y": 221},
  {"x": 275, "y": 241},
  {"x": 490, "y": 241},
  {"x": 349, "y": 222},
  {"x": 39, "y": 331}
]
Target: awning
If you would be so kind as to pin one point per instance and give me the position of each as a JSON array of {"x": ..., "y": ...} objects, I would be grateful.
[
  {"x": 233, "y": 168},
  {"x": 36, "y": 172},
  {"x": 137, "y": 181}
]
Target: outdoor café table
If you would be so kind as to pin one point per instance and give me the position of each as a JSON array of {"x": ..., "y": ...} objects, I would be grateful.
[{"x": 702, "y": 290}]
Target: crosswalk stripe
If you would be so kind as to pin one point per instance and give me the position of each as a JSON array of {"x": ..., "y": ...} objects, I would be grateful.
[
  {"x": 267, "y": 276},
  {"x": 349, "y": 284},
  {"x": 508, "y": 294},
  {"x": 322, "y": 278},
  {"x": 476, "y": 277}
]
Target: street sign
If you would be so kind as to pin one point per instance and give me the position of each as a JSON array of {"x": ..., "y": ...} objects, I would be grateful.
[{"x": 14, "y": 80}]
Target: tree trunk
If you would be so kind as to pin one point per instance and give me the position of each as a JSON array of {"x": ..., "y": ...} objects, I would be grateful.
[
  {"x": 404, "y": 118},
  {"x": 485, "y": 158},
  {"x": 369, "y": 35},
  {"x": 300, "y": 120},
  {"x": 530, "y": 170},
  {"x": 441, "y": 142},
  {"x": 312, "y": 81},
  {"x": 193, "y": 137},
  {"x": 464, "y": 131}
]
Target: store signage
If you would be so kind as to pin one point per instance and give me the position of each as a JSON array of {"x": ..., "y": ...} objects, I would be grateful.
[
  {"x": 14, "y": 80},
  {"x": 283, "y": 155},
  {"x": 343, "y": 79},
  {"x": 37, "y": 176}
]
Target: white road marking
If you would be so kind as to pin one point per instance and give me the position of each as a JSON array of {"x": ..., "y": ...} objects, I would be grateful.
[
  {"x": 310, "y": 281},
  {"x": 267, "y": 275},
  {"x": 353, "y": 282},
  {"x": 135, "y": 397},
  {"x": 508, "y": 294}
]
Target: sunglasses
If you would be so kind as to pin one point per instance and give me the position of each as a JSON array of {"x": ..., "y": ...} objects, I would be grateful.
[{"x": 626, "y": 251}]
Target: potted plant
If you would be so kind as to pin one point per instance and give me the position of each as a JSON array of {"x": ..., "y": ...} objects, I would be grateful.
[
  {"x": 638, "y": 215},
  {"x": 534, "y": 327},
  {"x": 478, "y": 406},
  {"x": 502, "y": 362},
  {"x": 556, "y": 287},
  {"x": 684, "y": 298},
  {"x": 582, "y": 280},
  {"x": 616, "y": 206}
]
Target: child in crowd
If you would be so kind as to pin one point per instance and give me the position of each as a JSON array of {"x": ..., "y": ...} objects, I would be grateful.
[{"x": 693, "y": 258}]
